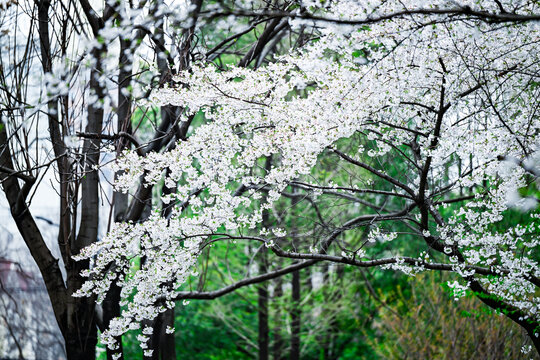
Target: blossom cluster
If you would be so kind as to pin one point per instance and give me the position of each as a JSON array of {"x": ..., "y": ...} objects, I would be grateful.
[{"x": 460, "y": 93}]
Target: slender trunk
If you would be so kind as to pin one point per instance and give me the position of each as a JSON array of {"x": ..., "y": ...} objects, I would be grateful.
[
  {"x": 81, "y": 336},
  {"x": 295, "y": 310},
  {"x": 55, "y": 132},
  {"x": 277, "y": 348},
  {"x": 262, "y": 290},
  {"x": 111, "y": 304},
  {"x": 326, "y": 339},
  {"x": 262, "y": 293},
  {"x": 295, "y": 316}
]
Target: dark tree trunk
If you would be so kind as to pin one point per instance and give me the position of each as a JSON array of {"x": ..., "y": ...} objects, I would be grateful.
[
  {"x": 295, "y": 306},
  {"x": 111, "y": 309},
  {"x": 277, "y": 348},
  {"x": 167, "y": 344},
  {"x": 75, "y": 316},
  {"x": 81, "y": 333},
  {"x": 262, "y": 290}
]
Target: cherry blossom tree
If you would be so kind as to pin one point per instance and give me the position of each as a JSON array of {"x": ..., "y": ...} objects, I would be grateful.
[
  {"x": 71, "y": 75},
  {"x": 409, "y": 122},
  {"x": 426, "y": 113}
]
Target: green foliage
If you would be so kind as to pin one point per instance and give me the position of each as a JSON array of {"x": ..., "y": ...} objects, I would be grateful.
[
  {"x": 201, "y": 333},
  {"x": 426, "y": 323}
]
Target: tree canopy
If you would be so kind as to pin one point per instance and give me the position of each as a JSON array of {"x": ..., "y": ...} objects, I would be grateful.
[{"x": 398, "y": 135}]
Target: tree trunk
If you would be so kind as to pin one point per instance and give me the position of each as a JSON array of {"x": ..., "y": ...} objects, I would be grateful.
[
  {"x": 295, "y": 317},
  {"x": 277, "y": 348},
  {"x": 81, "y": 332},
  {"x": 111, "y": 309},
  {"x": 295, "y": 310},
  {"x": 167, "y": 345},
  {"x": 262, "y": 292}
]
